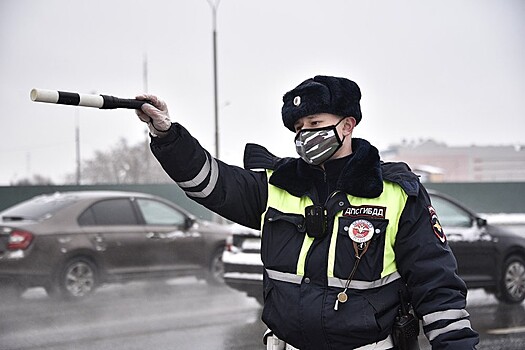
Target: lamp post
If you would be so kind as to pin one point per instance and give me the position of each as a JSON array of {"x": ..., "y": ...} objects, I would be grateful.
[
  {"x": 78, "y": 175},
  {"x": 77, "y": 145},
  {"x": 214, "y": 6}
]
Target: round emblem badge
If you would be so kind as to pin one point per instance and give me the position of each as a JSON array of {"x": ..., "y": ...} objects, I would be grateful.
[{"x": 361, "y": 231}]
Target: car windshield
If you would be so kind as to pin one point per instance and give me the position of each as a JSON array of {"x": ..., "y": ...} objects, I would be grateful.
[{"x": 37, "y": 208}]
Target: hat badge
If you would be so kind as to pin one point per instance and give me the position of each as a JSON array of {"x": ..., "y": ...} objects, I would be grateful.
[{"x": 297, "y": 100}]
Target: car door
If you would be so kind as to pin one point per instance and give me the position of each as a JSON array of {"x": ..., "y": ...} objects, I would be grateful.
[
  {"x": 118, "y": 236},
  {"x": 472, "y": 246},
  {"x": 178, "y": 247}
]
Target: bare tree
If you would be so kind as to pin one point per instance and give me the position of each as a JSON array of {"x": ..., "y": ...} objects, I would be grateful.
[
  {"x": 35, "y": 180},
  {"x": 123, "y": 164}
]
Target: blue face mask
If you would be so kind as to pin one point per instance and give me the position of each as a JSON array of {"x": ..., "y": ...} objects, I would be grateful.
[{"x": 315, "y": 146}]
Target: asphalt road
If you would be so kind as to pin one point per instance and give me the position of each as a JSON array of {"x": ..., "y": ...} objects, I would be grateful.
[{"x": 186, "y": 314}]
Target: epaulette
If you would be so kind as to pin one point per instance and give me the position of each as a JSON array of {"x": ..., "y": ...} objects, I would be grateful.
[
  {"x": 258, "y": 157},
  {"x": 400, "y": 173}
]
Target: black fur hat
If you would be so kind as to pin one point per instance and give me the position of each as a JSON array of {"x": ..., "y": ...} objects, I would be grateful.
[{"x": 322, "y": 94}]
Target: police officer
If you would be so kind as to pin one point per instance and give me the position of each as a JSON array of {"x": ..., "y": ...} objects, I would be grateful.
[{"x": 344, "y": 235}]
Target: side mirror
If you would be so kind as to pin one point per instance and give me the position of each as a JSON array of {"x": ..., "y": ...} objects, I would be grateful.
[
  {"x": 188, "y": 222},
  {"x": 481, "y": 222}
]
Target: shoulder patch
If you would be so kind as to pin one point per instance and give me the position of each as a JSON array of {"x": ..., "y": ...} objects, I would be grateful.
[{"x": 436, "y": 225}]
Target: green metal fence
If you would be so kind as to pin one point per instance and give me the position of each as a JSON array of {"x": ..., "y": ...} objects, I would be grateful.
[{"x": 507, "y": 197}]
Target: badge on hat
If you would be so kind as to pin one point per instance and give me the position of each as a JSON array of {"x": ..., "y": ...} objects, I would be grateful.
[
  {"x": 297, "y": 101},
  {"x": 361, "y": 231}
]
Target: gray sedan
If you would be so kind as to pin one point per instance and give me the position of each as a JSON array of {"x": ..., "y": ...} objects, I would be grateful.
[{"x": 72, "y": 242}]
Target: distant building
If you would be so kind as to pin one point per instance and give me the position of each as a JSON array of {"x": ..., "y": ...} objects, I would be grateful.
[{"x": 436, "y": 162}]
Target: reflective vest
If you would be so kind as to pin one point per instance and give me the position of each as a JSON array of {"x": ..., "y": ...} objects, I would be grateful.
[{"x": 285, "y": 257}]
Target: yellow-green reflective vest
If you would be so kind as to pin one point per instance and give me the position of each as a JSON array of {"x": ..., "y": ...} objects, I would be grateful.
[{"x": 393, "y": 198}]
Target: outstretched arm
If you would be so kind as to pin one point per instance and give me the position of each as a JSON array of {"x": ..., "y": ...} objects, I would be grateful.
[{"x": 230, "y": 191}]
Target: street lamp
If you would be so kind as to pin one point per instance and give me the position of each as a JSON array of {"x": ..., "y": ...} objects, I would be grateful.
[
  {"x": 77, "y": 146},
  {"x": 214, "y": 6},
  {"x": 78, "y": 175}
]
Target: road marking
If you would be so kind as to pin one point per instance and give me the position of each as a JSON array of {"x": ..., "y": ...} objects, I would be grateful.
[{"x": 506, "y": 330}]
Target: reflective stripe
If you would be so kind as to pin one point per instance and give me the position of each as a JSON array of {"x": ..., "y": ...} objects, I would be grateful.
[
  {"x": 334, "y": 282},
  {"x": 340, "y": 283},
  {"x": 331, "y": 249},
  {"x": 451, "y": 327},
  {"x": 284, "y": 276},
  {"x": 444, "y": 315},
  {"x": 305, "y": 248},
  {"x": 201, "y": 176}
]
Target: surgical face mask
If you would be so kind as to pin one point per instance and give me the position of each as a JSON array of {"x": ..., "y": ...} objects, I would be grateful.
[{"x": 315, "y": 146}]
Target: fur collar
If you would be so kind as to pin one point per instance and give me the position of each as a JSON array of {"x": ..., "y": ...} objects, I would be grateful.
[{"x": 361, "y": 175}]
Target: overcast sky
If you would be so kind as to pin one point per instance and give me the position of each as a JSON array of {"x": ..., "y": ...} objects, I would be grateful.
[{"x": 449, "y": 70}]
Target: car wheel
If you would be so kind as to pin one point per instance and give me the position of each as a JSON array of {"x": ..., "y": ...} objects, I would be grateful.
[
  {"x": 215, "y": 275},
  {"x": 78, "y": 279},
  {"x": 512, "y": 285}
]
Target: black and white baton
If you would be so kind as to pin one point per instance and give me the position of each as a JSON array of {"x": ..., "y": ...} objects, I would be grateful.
[{"x": 85, "y": 100}]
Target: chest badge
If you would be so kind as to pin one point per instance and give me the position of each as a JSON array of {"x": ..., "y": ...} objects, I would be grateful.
[{"x": 361, "y": 231}]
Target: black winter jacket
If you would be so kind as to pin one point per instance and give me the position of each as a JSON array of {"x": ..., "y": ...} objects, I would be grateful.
[{"x": 425, "y": 263}]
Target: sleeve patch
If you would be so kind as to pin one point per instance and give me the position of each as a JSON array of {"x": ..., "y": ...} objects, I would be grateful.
[{"x": 436, "y": 225}]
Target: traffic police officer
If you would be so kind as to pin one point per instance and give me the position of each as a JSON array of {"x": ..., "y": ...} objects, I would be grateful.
[{"x": 346, "y": 238}]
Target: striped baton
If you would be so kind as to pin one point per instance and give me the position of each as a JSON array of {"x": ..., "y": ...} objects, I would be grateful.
[{"x": 85, "y": 100}]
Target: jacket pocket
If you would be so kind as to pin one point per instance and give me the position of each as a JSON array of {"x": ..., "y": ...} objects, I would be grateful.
[
  {"x": 282, "y": 238},
  {"x": 281, "y": 311},
  {"x": 371, "y": 264},
  {"x": 353, "y": 324}
]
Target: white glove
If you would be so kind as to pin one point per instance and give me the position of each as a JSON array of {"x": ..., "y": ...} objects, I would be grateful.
[{"x": 155, "y": 114}]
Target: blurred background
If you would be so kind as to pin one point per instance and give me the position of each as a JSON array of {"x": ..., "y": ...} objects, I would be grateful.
[
  {"x": 446, "y": 74},
  {"x": 443, "y": 87}
]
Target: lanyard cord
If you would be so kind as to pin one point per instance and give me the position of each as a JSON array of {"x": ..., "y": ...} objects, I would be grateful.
[{"x": 360, "y": 250}]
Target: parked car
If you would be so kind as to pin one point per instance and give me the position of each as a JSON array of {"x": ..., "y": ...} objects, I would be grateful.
[
  {"x": 72, "y": 242},
  {"x": 491, "y": 257}
]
